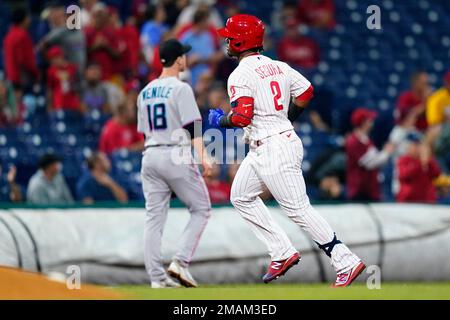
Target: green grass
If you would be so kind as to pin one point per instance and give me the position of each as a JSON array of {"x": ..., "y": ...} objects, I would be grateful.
[{"x": 388, "y": 291}]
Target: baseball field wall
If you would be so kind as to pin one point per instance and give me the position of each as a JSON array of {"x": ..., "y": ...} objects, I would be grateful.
[{"x": 406, "y": 242}]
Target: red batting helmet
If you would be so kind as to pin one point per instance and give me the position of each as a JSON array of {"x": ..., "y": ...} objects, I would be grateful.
[{"x": 244, "y": 32}]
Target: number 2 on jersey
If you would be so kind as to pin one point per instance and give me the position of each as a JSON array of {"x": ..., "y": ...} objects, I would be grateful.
[
  {"x": 157, "y": 119},
  {"x": 276, "y": 91}
]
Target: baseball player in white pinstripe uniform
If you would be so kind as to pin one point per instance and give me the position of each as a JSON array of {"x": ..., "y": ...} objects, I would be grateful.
[
  {"x": 261, "y": 91},
  {"x": 167, "y": 111}
]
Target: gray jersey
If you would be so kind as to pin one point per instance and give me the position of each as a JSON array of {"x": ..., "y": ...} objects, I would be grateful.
[{"x": 164, "y": 106}]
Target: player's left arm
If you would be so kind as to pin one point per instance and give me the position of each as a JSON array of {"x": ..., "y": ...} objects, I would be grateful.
[
  {"x": 302, "y": 91},
  {"x": 298, "y": 104}
]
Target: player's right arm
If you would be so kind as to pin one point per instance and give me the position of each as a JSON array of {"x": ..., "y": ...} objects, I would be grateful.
[{"x": 301, "y": 91}]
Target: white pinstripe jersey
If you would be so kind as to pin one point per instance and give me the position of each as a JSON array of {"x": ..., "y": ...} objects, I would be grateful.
[
  {"x": 271, "y": 84},
  {"x": 165, "y": 105}
]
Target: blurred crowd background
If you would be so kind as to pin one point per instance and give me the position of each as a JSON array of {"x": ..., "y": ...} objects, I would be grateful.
[{"x": 378, "y": 128}]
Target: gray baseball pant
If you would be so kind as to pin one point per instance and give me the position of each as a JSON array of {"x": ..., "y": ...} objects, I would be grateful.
[{"x": 161, "y": 176}]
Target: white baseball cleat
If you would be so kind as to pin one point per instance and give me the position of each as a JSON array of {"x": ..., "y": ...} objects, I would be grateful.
[
  {"x": 166, "y": 283},
  {"x": 182, "y": 274}
]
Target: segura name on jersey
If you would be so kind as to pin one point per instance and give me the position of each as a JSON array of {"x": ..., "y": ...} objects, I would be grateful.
[{"x": 268, "y": 70}]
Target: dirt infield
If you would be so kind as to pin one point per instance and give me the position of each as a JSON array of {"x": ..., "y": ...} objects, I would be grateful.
[{"x": 17, "y": 284}]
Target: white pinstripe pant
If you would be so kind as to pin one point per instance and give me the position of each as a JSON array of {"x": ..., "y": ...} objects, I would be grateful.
[{"x": 277, "y": 165}]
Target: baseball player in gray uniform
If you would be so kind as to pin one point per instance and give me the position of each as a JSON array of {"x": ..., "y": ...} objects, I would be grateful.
[{"x": 166, "y": 106}]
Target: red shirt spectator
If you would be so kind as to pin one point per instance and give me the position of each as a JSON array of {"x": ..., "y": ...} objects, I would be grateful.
[
  {"x": 156, "y": 65},
  {"x": 102, "y": 41},
  {"x": 297, "y": 50},
  {"x": 363, "y": 159},
  {"x": 300, "y": 51},
  {"x": 317, "y": 13},
  {"x": 61, "y": 81},
  {"x": 416, "y": 171},
  {"x": 411, "y": 103},
  {"x": 100, "y": 44},
  {"x": 131, "y": 35},
  {"x": 406, "y": 102},
  {"x": 121, "y": 131},
  {"x": 416, "y": 180},
  {"x": 362, "y": 183},
  {"x": 128, "y": 44},
  {"x": 219, "y": 191},
  {"x": 18, "y": 55},
  {"x": 117, "y": 135}
]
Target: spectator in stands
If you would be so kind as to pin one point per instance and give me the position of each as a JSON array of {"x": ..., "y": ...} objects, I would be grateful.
[
  {"x": 330, "y": 188},
  {"x": 398, "y": 137},
  {"x": 187, "y": 15},
  {"x": 231, "y": 171},
  {"x": 441, "y": 146},
  {"x": 9, "y": 111},
  {"x": 328, "y": 172},
  {"x": 173, "y": 9},
  {"x": 201, "y": 90},
  {"x": 94, "y": 92},
  {"x": 18, "y": 54},
  {"x": 416, "y": 171},
  {"x": 219, "y": 191},
  {"x": 96, "y": 185},
  {"x": 116, "y": 94},
  {"x": 128, "y": 46},
  {"x": 216, "y": 96},
  {"x": 406, "y": 124},
  {"x": 120, "y": 132},
  {"x": 153, "y": 31},
  {"x": 132, "y": 89},
  {"x": 48, "y": 186},
  {"x": 438, "y": 117},
  {"x": 71, "y": 41},
  {"x": 363, "y": 158},
  {"x": 62, "y": 82},
  {"x": 10, "y": 191},
  {"x": 101, "y": 41},
  {"x": 131, "y": 33},
  {"x": 87, "y": 7},
  {"x": 411, "y": 103},
  {"x": 297, "y": 50},
  {"x": 203, "y": 55},
  {"x": 288, "y": 12},
  {"x": 438, "y": 105},
  {"x": 317, "y": 13}
]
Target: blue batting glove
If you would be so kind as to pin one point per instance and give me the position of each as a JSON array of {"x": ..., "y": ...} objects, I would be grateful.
[{"x": 214, "y": 117}]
